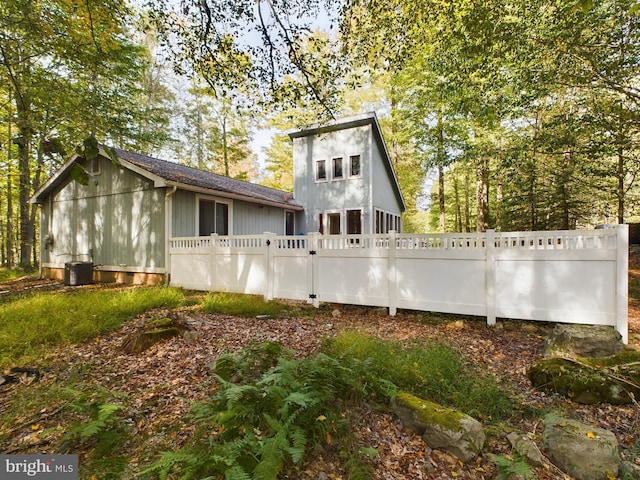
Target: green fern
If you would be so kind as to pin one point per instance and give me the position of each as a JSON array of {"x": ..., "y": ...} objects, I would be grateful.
[
  {"x": 263, "y": 424},
  {"x": 508, "y": 467}
]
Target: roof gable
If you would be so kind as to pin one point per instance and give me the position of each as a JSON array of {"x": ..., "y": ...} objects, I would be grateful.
[
  {"x": 164, "y": 173},
  {"x": 369, "y": 118}
]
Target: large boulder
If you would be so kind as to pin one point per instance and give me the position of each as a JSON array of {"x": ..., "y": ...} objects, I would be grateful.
[
  {"x": 614, "y": 379},
  {"x": 580, "y": 450},
  {"x": 441, "y": 427},
  {"x": 582, "y": 341}
]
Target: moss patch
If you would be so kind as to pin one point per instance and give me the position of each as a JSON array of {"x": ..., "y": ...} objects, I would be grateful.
[
  {"x": 595, "y": 380},
  {"x": 432, "y": 413}
]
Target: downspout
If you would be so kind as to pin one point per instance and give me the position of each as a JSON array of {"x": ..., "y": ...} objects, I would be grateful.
[{"x": 168, "y": 227}]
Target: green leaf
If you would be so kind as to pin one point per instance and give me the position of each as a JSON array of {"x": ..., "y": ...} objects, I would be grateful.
[
  {"x": 91, "y": 147},
  {"x": 368, "y": 451},
  {"x": 236, "y": 473},
  {"x": 80, "y": 175},
  {"x": 54, "y": 145},
  {"x": 587, "y": 5},
  {"x": 635, "y": 9},
  {"x": 106, "y": 410},
  {"x": 113, "y": 155}
]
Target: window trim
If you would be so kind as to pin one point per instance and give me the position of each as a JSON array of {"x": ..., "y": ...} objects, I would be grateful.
[
  {"x": 328, "y": 215},
  {"x": 334, "y": 162},
  {"x": 96, "y": 166},
  {"x": 360, "y": 216},
  {"x": 216, "y": 200},
  {"x": 359, "y": 174},
  {"x": 293, "y": 220},
  {"x": 317, "y": 171},
  {"x": 385, "y": 221}
]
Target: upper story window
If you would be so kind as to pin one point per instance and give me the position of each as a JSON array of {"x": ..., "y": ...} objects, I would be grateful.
[
  {"x": 337, "y": 167},
  {"x": 321, "y": 170},
  {"x": 95, "y": 166},
  {"x": 354, "y": 168}
]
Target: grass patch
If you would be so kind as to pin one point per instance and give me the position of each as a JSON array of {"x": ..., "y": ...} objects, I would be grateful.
[
  {"x": 433, "y": 371},
  {"x": 11, "y": 273},
  {"x": 240, "y": 305},
  {"x": 29, "y": 325}
]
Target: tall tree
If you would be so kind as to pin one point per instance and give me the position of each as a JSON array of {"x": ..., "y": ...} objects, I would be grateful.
[{"x": 71, "y": 71}]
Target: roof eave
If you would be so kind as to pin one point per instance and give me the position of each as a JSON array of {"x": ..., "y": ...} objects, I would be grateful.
[{"x": 234, "y": 196}]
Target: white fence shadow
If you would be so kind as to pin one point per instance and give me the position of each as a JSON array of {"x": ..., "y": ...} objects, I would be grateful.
[{"x": 560, "y": 276}]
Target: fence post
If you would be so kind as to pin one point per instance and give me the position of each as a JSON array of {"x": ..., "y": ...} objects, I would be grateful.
[
  {"x": 212, "y": 266},
  {"x": 313, "y": 273},
  {"x": 270, "y": 243},
  {"x": 622, "y": 282},
  {"x": 490, "y": 276},
  {"x": 393, "y": 274}
]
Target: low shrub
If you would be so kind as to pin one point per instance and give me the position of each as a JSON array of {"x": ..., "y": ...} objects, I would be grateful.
[
  {"x": 266, "y": 422},
  {"x": 431, "y": 370}
]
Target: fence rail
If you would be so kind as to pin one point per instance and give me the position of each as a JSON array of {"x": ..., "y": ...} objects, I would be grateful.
[{"x": 560, "y": 276}]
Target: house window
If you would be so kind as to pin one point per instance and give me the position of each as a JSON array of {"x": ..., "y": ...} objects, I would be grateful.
[
  {"x": 333, "y": 220},
  {"x": 320, "y": 224},
  {"x": 354, "y": 222},
  {"x": 213, "y": 217},
  {"x": 387, "y": 221},
  {"x": 354, "y": 162},
  {"x": 95, "y": 166},
  {"x": 337, "y": 167},
  {"x": 379, "y": 221},
  {"x": 321, "y": 170},
  {"x": 289, "y": 223},
  {"x": 222, "y": 218}
]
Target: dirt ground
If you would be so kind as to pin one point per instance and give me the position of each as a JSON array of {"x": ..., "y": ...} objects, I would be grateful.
[{"x": 163, "y": 381}]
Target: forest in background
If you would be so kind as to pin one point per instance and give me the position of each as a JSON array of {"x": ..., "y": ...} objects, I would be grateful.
[{"x": 510, "y": 114}]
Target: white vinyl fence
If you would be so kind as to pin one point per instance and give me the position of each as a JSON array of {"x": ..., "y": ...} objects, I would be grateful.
[{"x": 560, "y": 276}]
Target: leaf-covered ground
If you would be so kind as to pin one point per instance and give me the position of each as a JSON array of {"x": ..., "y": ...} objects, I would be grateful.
[{"x": 163, "y": 381}]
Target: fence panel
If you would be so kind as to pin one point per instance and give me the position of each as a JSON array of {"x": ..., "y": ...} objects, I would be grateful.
[
  {"x": 290, "y": 268},
  {"x": 190, "y": 263},
  {"x": 441, "y": 273},
  {"x": 353, "y": 269},
  {"x": 568, "y": 276}
]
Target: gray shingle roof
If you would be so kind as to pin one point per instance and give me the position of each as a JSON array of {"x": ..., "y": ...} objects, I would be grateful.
[{"x": 193, "y": 177}]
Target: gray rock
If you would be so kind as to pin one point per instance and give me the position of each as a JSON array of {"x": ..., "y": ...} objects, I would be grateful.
[
  {"x": 526, "y": 448},
  {"x": 613, "y": 379},
  {"x": 575, "y": 341},
  {"x": 441, "y": 428},
  {"x": 580, "y": 450}
]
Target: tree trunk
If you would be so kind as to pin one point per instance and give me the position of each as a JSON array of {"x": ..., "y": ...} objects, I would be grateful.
[
  {"x": 564, "y": 192},
  {"x": 458, "y": 208},
  {"x": 24, "y": 173},
  {"x": 9, "y": 231},
  {"x": 621, "y": 192},
  {"x": 224, "y": 146},
  {"x": 441, "y": 197},
  {"x": 482, "y": 194},
  {"x": 467, "y": 201}
]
